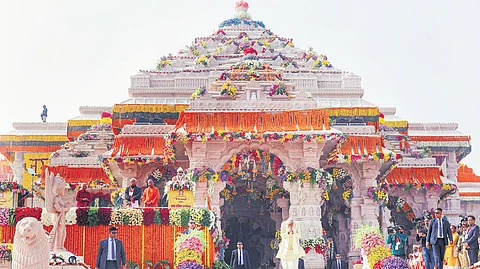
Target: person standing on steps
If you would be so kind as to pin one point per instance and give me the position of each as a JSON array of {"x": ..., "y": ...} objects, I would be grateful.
[
  {"x": 240, "y": 258},
  {"x": 338, "y": 263}
]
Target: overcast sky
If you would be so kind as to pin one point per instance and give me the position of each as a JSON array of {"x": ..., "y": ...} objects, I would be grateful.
[{"x": 419, "y": 56}]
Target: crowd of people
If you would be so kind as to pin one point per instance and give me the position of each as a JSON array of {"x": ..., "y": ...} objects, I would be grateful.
[{"x": 441, "y": 245}]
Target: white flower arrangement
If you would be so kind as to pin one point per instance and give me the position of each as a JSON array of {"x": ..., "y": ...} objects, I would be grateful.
[
  {"x": 46, "y": 218},
  {"x": 180, "y": 185},
  {"x": 71, "y": 216},
  {"x": 127, "y": 216},
  {"x": 176, "y": 217},
  {"x": 196, "y": 214}
]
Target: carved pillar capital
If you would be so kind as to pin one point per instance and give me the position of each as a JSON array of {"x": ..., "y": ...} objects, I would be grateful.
[
  {"x": 18, "y": 167},
  {"x": 283, "y": 204}
]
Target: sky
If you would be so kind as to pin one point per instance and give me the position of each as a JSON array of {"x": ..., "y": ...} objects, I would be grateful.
[{"x": 419, "y": 56}]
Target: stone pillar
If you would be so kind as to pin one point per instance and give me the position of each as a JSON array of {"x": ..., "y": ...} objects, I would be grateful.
[
  {"x": 201, "y": 191},
  {"x": 305, "y": 209},
  {"x": 218, "y": 202},
  {"x": 363, "y": 209},
  {"x": 18, "y": 168},
  {"x": 453, "y": 209},
  {"x": 432, "y": 199},
  {"x": 283, "y": 204},
  {"x": 452, "y": 167},
  {"x": 386, "y": 214}
]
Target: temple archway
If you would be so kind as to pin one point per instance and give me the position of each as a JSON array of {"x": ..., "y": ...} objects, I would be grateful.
[{"x": 254, "y": 185}]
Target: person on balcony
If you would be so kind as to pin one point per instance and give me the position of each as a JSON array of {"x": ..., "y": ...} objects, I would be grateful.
[
  {"x": 84, "y": 197},
  {"x": 44, "y": 114},
  {"x": 133, "y": 194},
  {"x": 151, "y": 195}
]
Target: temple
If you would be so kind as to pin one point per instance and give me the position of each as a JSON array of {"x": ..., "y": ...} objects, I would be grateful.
[{"x": 267, "y": 131}]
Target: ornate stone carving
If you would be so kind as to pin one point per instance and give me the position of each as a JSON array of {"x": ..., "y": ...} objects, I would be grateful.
[
  {"x": 31, "y": 250},
  {"x": 55, "y": 192}
]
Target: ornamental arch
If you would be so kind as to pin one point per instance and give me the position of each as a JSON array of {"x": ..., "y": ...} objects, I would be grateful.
[{"x": 253, "y": 192}]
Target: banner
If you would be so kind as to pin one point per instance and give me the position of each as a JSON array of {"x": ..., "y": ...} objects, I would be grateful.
[
  {"x": 180, "y": 198},
  {"x": 6, "y": 199}
]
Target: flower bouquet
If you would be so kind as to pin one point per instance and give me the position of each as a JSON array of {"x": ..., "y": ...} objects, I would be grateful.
[
  {"x": 394, "y": 263},
  {"x": 23, "y": 212},
  {"x": 127, "y": 216},
  {"x": 5, "y": 216},
  {"x": 189, "y": 248},
  {"x": 185, "y": 185},
  {"x": 364, "y": 229},
  {"x": 228, "y": 89},
  {"x": 198, "y": 92},
  {"x": 202, "y": 60},
  {"x": 322, "y": 61},
  {"x": 6, "y": 252},
  {"x": 279, "y": 88},
  {"x": 378, "y": 253},
  {"x": 370, "y": 241},
  {"x": 163, "y": 62}
]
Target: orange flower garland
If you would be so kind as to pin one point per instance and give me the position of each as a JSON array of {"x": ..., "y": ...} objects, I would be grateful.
[
  {"x": 255, "y": 122},
  {"x": 77, "y": 174},
  {"x": 138, "y": 145},
  {"x": 414, "y": 175}
]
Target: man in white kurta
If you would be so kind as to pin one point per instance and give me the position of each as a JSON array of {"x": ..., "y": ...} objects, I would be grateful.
[{"x": 290, "y": 250}]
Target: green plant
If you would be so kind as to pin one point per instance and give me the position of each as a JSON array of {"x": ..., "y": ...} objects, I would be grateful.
[
  {"x": 163, "y": 264},
  {"x": 132, "y": 265},
  {"x": 221, "y": 264}
]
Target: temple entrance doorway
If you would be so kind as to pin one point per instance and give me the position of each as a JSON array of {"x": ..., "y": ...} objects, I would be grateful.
[
  {"x": 336, "y": 210},
  {"x": 250, "y": 213},
  {"x": 256, "y": 233}
]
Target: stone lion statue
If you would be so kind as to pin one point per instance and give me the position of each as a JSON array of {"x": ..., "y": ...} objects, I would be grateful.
[{"x": 30, "y": 248}]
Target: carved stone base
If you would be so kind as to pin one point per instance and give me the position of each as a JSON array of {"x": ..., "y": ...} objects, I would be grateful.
[{"x": 313, "y": 260}]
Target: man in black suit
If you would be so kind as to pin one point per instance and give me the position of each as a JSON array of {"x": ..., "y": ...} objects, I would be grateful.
[
  {"x": 471, "y": 240},
  {"x": 338, "y": 264},
  {"x": 240, "y": 258},
  {"x": 111, "y": 253},
  {"x": 301, "y": 263},
  {"x": 439, "y": 236}
]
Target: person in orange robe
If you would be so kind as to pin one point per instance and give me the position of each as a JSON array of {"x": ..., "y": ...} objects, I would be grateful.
[{"x": 151, "y": 195}]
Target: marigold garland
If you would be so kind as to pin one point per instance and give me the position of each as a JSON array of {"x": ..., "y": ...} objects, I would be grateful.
[{"x": 306, "y": 120}]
